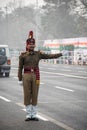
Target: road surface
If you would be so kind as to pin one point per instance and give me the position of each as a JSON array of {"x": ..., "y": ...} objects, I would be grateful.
[{"x": 62, "y": 101}]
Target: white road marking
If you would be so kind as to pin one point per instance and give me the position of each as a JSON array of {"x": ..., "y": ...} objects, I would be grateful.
[
  {"x": 51, "y": 68},
  {"x": 80, "y": 68},
  {"x": 43, "y": 102},
  {"x": 42, "y": 118},
  {"x": 14, "y": 68},
  {"x": 58, "y": 123},
  {"x": 40, "y": 67},
  {"x": 39, "y": 116},
  {"x": 64, "y": 89},
  {"x": 82, "y": 71},
  {"x": 5, "y": 99},
  {"x": 66, "y": 66},
  {"x": 20, "y": 104},
  {"x": 65, "y": 70},
  {"x": 17, "y": 78},
  {"x": 41, "y": 83},
  {"x": 47, "y": 118},
  {"x": 67, "y": 75}
]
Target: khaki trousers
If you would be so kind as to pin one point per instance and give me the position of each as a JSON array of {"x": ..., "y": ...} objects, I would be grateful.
[{"x": 30, "y": 89}]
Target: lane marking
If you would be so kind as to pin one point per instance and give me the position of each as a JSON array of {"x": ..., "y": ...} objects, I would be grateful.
[
  {"x": 42, "y": 102},
  {"x": 47, "y": 118},
  {"x": 14, "y": 68},
  {"x": 17, "y": 78},
  {"x": 5, "y": 99},
  {"x": 65, "y": 70},
  {"x": 39, "y": 116},
  {"x": 80, "y": 68},
  {"x": 82, "y": 71},
  {"x": 58, "y": 123},
  {"x": 42, "y": 118},
  {"x": 19, "y": 104},
  {"x": 41, "y": 83},
  {"x": 67, "y": 75},
  {"x": 66, "y": 89},
  {"x": 66, "y": 66},
  {"x": 61, "y": 101},
  {"x": 51, "y": 68}
]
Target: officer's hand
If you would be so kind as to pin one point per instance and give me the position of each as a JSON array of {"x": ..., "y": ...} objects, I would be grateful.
[
  {"x": 64, "y": 52},
  {"x": 20, "y": 82}
]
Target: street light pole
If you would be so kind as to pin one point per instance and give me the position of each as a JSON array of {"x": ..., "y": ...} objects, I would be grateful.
[
  {"x": 37, "y": 24},
  {"x": 6, "y": 24}
]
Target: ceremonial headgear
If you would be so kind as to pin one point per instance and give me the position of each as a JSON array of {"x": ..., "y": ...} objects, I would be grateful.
[
  {"x": 31, "y": 34},
  {"x": 30, "y": 41}
]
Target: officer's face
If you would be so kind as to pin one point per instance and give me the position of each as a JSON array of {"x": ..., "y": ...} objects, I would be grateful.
[{"x": 31, "y": 47}]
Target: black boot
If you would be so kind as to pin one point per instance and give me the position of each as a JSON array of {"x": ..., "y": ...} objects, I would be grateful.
[
  {"x": 28, "y": 119},
  {"x": 34, "y": 119}
]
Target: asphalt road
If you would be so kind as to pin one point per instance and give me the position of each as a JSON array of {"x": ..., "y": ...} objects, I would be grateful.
[{"x": 62, "y": 100}]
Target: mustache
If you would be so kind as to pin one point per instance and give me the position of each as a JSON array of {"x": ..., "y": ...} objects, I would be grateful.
[{"x": 31, "y": 46}]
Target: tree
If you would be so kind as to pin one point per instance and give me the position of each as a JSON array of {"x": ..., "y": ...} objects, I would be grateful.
[{"x": 61, "y": 21}]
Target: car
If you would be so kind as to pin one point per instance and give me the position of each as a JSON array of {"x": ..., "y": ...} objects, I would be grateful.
[{"x": 5, "y": 60}]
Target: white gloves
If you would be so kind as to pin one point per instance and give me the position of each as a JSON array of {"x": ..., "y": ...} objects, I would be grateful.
[
  {"x": 64, "y": 52},
  {"x": 20, "y": 82}
]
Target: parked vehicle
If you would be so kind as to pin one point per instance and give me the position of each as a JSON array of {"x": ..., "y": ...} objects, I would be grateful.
[{"x": 5, "y": 60}]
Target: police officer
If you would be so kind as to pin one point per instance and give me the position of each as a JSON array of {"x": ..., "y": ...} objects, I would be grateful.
[{"x": 29, "y": 62}]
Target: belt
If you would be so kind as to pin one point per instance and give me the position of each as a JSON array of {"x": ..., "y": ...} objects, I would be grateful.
[
  {"x": 29, "y": 70},
  {"x": 33, "y": 70}
]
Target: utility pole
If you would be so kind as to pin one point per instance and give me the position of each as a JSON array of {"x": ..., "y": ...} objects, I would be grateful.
[
  {"x": 6, "y": 25},
  {"x": 37, "y": 24}
]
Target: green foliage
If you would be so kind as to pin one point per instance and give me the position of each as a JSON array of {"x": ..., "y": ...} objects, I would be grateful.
[
  {"x": 44, "y": 48},
  {"x": 67, "y": 47}
]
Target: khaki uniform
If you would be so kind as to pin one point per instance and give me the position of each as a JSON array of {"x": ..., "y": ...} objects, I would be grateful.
[{"x": 29, "y": 62}]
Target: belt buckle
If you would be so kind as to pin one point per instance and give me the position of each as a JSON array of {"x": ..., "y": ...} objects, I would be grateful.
[{"x": 32, "y": 70}]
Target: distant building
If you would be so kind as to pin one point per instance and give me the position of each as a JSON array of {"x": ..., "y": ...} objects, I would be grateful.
[
  {"x": 80, "y": 46},
  {"x": 77, "y": 42}
]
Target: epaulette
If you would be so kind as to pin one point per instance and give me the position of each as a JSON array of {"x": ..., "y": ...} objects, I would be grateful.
[
  {"x": 25, "y": 53},
  {"x": 22, "y": 53},
  {"x": 41, "y": 52}
]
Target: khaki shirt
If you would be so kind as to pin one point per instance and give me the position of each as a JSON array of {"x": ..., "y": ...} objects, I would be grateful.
[{"x": 28, "y": 59}]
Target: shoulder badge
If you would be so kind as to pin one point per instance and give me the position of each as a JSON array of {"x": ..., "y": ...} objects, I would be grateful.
[
  {"x": 22, "y": 53},
  {"x": 40, "y": 51}
]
